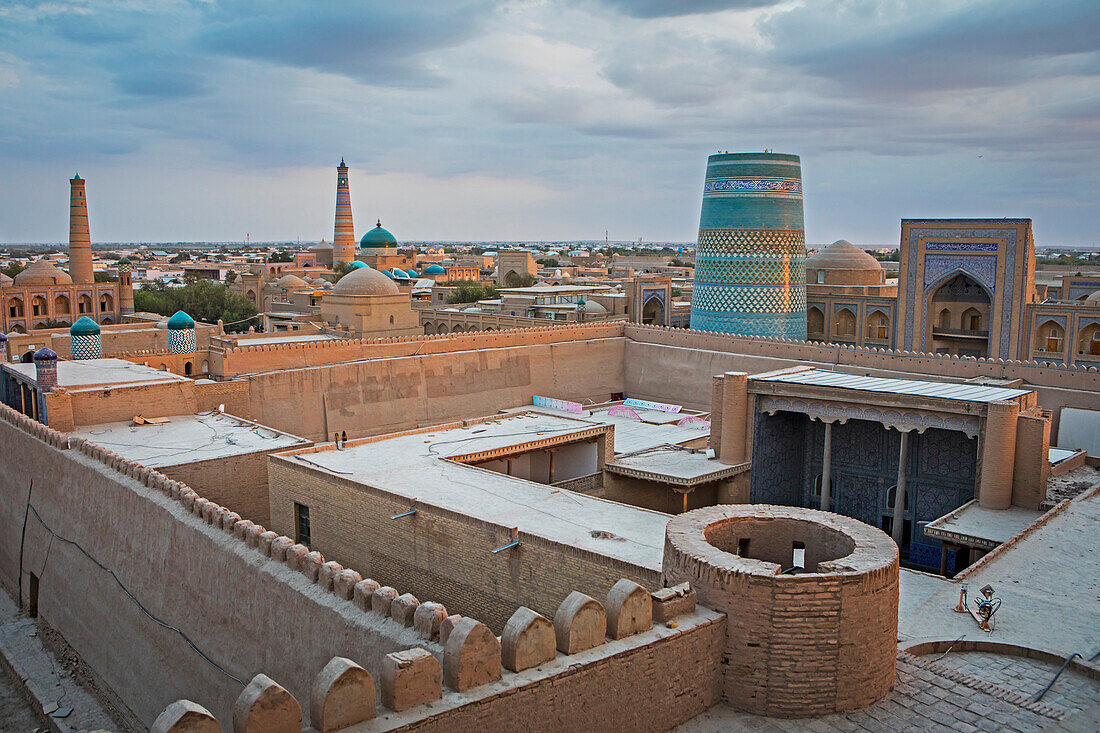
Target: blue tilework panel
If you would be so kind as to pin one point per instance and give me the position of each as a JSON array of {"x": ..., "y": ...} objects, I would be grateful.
[
  {"x": 750, "y": 282},
  {"x": 86, "y": 346}
]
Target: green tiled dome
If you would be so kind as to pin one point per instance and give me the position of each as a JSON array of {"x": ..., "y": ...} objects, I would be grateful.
[
  {"x": 378, "y": 237},
  {"x": 84, "y": 326}
]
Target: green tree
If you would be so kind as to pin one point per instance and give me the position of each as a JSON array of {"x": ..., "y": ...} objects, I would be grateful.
[
  {"x": 203, "y": 300},
  {"x": 548, "y": 262},
  {"x": 13, "y": 269},
  {"x": 178, "y": 258},
  {"x": 281, "y": 256},
  {"x": 101, "y": 276},
  {"x": 467, "y": 291},
  {"x": 340, "y": 269},
  {"x": 515, "y": 280},
  {"x": 230, "y": 277}
]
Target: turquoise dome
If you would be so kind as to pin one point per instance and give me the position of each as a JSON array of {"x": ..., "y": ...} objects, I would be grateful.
[
  {"x": 356, "y": 265},
  {"x": 84, "y": 326},
  {"x": 387, "y": 273},
  {"x": 412, "y": 273},
  {"x": 180, "y": 321},
  {"x": 398, "y": 272},
  {"x": 378, "y": 237},
  {"x": 434, "y": 270}
]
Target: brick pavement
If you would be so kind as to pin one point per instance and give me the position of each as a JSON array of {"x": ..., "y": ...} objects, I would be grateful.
[
  {"x": 926, "y": 697},
  {"x": 1072, "y": 693}
]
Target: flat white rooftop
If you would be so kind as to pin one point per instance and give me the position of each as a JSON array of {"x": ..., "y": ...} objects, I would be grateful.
[
  {"x": 187, "y": 439},
  {"x": 978, "y": 525},
  {"x": 95, "y": 372},
  {"x": 914, "y": 387},
  {"x": 651, "y": 429},
  {"x": 414, "y": 465}
]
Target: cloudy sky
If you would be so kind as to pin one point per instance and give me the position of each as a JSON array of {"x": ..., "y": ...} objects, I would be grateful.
[{"x": 473, "y": 119}]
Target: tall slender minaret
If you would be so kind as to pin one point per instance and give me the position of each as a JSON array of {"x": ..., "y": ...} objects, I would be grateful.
[
  {"x": 80, "y": 239},
  {"x": 343, "y": 238}
]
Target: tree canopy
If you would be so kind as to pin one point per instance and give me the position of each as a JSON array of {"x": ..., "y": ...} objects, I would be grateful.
[
  {"x": 467, "y": 291},
  {"x": 203, "y": 300}
]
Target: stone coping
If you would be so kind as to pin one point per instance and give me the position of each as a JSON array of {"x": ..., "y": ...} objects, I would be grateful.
[{"x": 873, "y": 550}]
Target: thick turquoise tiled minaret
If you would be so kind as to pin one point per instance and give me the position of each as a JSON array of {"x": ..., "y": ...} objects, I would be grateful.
[{"x": 750, "y": 260}]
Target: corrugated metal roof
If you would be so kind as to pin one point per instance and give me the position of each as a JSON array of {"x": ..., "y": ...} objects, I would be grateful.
[{"x": 916, "y": 387}]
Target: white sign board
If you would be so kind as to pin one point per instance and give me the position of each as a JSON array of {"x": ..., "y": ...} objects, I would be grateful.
[
  {"x": 563, "y": 405},
  {"x": 647, "y": 405},
  {"x": 1079, "y": 430}
]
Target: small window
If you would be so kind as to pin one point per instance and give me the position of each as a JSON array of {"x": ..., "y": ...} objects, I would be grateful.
[
  {"x": 743, "y": 547},
  {"x": 798, "y": 550},
  {"x": 301, "y": 511}
]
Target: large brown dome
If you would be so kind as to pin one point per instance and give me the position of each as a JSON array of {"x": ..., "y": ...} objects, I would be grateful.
[
  {"x": 42, "y": 272},
  {"x": 365, "y": 281},
  {"x": 843, "y": 263}
]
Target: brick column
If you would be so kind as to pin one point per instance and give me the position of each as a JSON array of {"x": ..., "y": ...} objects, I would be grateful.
[
  {"x": 998, "y": 455},
  {"x": 716, "y": 414},
  {"x": 735, "y": 399}
]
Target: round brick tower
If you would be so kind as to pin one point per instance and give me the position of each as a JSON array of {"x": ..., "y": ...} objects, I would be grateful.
[
  {"x": 750, "y": 260},
  {"x": 811, "y": 600},
  {"x": 80, "y": 237},
  {"x": 125, "y": 286},
  {"x": 343, "y": 239}
]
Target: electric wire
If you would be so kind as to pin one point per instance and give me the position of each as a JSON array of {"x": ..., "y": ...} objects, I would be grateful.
[
  {"x": 131, "y": 596},
  {"x": 1060, "y": 671}
]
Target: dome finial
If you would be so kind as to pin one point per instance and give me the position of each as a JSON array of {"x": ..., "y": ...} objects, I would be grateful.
[{"x": 379, "y": 224}]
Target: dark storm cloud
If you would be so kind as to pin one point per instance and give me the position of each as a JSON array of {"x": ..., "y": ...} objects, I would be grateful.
[
  {"x": 376, "y": 43},
  {"x": 988, "y": 44},
  {"x": 673, "y": 8}
]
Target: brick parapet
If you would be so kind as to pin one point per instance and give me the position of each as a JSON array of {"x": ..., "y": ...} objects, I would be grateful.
[
  {"x": 28, "y": 425},
  {"x": 244, "y": 359},
  {"x": 1035, "y": 372}
]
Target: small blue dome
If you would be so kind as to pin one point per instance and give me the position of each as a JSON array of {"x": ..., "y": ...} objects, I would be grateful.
[
  {"x": 434, "y": 270},
  {"x": 180, "y": 321},
  {"x": 412, "y": 273},
  {"x": 356, "y": 265},
  {"x": 387, "y": 273},
  {"x": 84, "y": 326},
  {"x": 398, "y": 272},
  {"x": 45, "y": 354}
]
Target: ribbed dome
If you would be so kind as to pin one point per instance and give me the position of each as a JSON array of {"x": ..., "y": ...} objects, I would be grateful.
[
  {"x": 180, "y": 321},
  {"x": 290, "y": 282},
  {"x": 84, "y": 326},
  {"x": 412, "y": 273},
  {"x": 398, "y": 272},
  {"x": 378, "y": 237},
  {"x": 842, "y": 255},
  {"x": 42, "y": 272},
  {"x": 322, "y": 245},
  {"x": 434, "y": 270},
  {"x": 1093, "y": 299},
  {"x": 365, "y": 281}
]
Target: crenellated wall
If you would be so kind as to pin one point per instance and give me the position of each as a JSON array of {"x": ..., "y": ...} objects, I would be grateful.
[
  {"x": 676, "y": 365},
  {"x": 295, "y": 355},
  {"x": 387, "y": 394}
]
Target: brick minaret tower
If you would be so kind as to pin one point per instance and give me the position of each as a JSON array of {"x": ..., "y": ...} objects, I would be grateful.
[
  {"x": 125, "y": 286},
  {"x": 343, "y": 239},
  {"x": 80, "y": 239}
]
